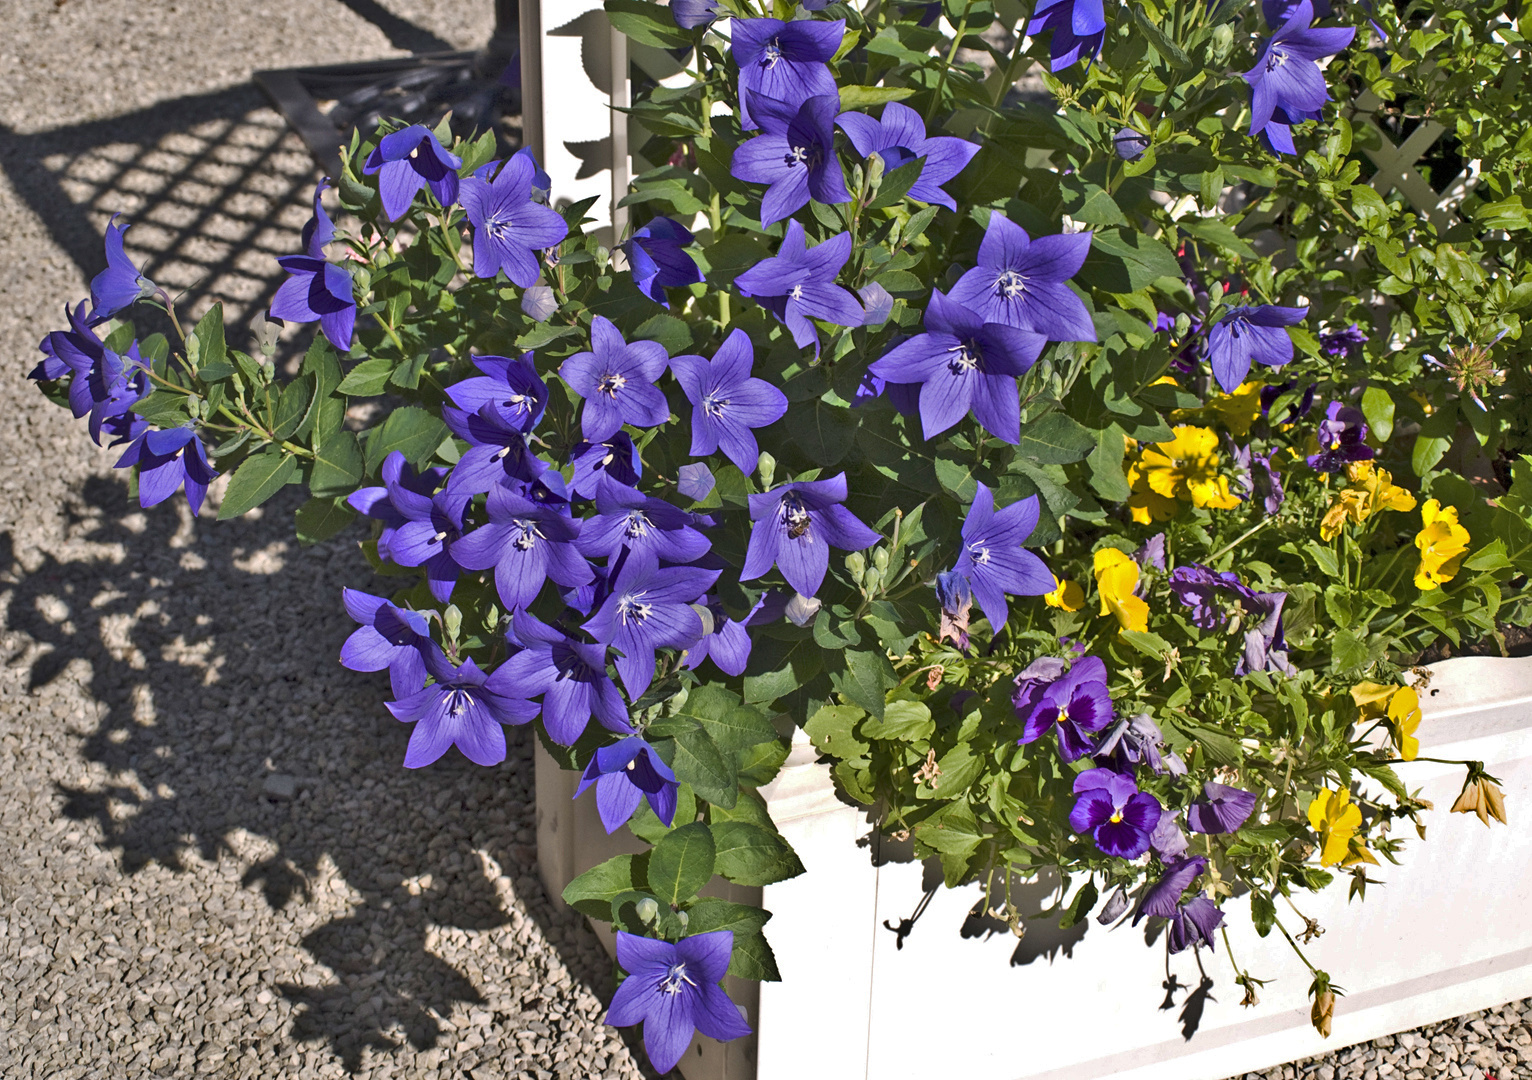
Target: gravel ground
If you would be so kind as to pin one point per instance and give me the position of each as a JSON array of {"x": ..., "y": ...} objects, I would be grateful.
[{"x": 211, "y": 862}]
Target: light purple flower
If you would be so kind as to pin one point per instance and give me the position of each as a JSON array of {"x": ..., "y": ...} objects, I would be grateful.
[
  {"x": 1193, "y": 924},
  {"x": 1222, "y": 809},
  {"x": 1162, "y": 898},
  {"x": 626, "y": 772},
  {"x": 1114, "y": 813},
  {"x": 1137, "y": 739},
  {"x": 458, "y": 709},
  {"x": 616, "y": 379},
  {"x": 899, "y": 138},
  {"x": 1167, "y": 841},
  {"x": 1287, "y": 75},
  {"x": 795, "y": 527},
  {"x": 1021, "y": 282},
  {"x": 993, "y": 560},
  {"x": 798, "y": 284},
  {"x": 788, "y": 61},
  {"x": 1251, "y": 334},
  {"x": 408, "y": 160},
  {"x": 727, "y": 402},
  {"x": 390, "y": 638}
]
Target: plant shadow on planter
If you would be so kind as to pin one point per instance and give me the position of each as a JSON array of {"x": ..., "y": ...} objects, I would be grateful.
[{"x": 220, "y": 727}]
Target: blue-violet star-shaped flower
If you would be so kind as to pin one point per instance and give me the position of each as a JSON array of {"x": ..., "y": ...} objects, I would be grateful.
[
  {"x": 408, "y": 160},
  {"x": 729, "y": 643},
  {"x": 166, "y": 460},
  {"x": 526, "y": 543},
  {"x": 1115, "y": 814},
  {"x": 1253, "y": 333},
  {"x": 374, "y": 501},
  {"x": 794, "y": 155},
  {"x": 1077, "y": 706},
  {"x": 1020, "y": 282},
  {"x": 674, "y": 990},
  {"x": 616, "y": 457},
  {"x": 509, "y": 228},
  {"x": 899, "y": 138},
  {"x": 317, "y": 291},
  {"x": 1286, "y": 76},
  {"x": 788, "y": 61},
  {"x": 648, "y": 528},
  {"x": 795, "y": 527},
  {"x": 458, "y": 709},
  {"x": 390, "y": 638},
  {"x": 657, "y": 255},
  {"x": 798, "y": 283},
  {"x": 727, "y": 402},
  {"x": 431, "y": 526},
  {"x": 649, "y": 608},
  {"x": 120, "y": 284},
  {"x": 626, "y": 772},
  {"x": 512, "y": 387},
  {"x": 993, "y": 559},
  {"x": 569, "y": 674},
  {"x": 497, "y": 452},
  {"x": 1079, "y": 28},
  {"x": 616, "y": 379}
]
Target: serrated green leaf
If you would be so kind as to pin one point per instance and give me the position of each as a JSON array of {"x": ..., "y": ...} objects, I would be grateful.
[
  {"x": 682, "y": 863},
  {"x": 411, "y": 431},
  {"x": 699, "y": 763},
  {"x": 751, "y": 855},
  {"x": 864, "y": 679},
  {"x": 1056, "y": 439},
  {"x": 319, "y": 519}
]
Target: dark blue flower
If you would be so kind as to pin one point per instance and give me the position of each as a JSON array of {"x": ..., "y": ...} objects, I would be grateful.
[
  {"x": 1021, "y": 282},
  {"x": 497, "y": 453},
  {"x": 625, "y": 773},
  {"x": 390, "y": 638},
  {"x": 526, "y": 543},
  {"x": 675, "y": 991},
  {"x": 1342, "y": 439},
  {"x": 798, "y": 284},
  {"x": 568, "y": 673},
  {"x": 431, "y": 526},
  {"x": 511, "y": 387},
  {"x": 120, "y": 284},
  {"x": 794, "y": 155},
  {"x": 407, "y": 161},
  {"x": 648, "y": 528},
  {"x": 1341, "y": 342},
  {"x": 509, "y": 227},
  {"x": 374, "y": 501},
  {"x": 993, "y": 560},
  {"x": 795, "y": 527},
  {"x": 458, "y": 709},
  {"x": 1114, "y": 813},
  {"x": 616, "y": 457},
  {"x": 649, "y": 608},
  {"x": 782, "y": 60},
  {"x": 317, "y": 291},
  {"x": 727, "y": 402},
  {"x": 616, "y": 379},
  {"x": 1251, "y": 334},
  {"x": 165, "y": 460},
  {"x": 1079, "y": 28},
  {"x": 1286, "y": 76},
  {"x": 659, "y": 260},
  {"x": 900, "y": 137}
]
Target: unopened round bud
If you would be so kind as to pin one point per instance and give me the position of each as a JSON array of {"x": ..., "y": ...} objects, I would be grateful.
[
  {"x": 871, "y": 579},
  {"x": 683, "y": 919},
  {"x": 856, "y": 564},
  {"x": 880, "y": 558},
  {"x": 648, "y": 909},
  {"x": 767, "y": 467},
  {"x": 452, "y": 621}
]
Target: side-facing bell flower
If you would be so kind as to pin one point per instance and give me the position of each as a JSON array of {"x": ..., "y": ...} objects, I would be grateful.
[
  {"x": 426, "y": 537},
  {"x": 993, "y": 559},
  {"x": 497, "y": 452},
  {"x": 511, "y": 387},
  {"x": 1077, "y": 706},
  {"x": 794, "y": 156},
  {"x": 657, "y": 254},
  {"x": 458, "y": 709},
  {"x": 628, "y": 520},
  {"x": 1442, "y": 543},
  {"x": 1021, "y": 282},
  {"x": 899, "y": 138},
  {"x": 390, "y": 638},
  {"x": 695, "y": 14},
  {"x": 1134, "y": 740},
  {"x": 728, "y": 644},
  {"x": 616, "y": 379},
  {"x": 795, "y": 527},
  {"x": 1251, "y": 334},
  {"x": 788, "y": 61},
  {"x": 675, "y": 991},
  {"x": 1079, "y": 28},
  {"x": 568, "y": 673},
  {"x": 646, "y": 609},
  {"x": 616, "y": 457},
  {"x": 1342, "y": 439},
  {"x": 374, "y": 502},
  {"x": 166, "y": 460},
  {"x": 317, "y": 291},
  {"x": 1481, "y": 795},
  {"x": 1222, "y": 809},
  {"x": 526, "y": 543},
  {"x": 1116, "y": 815},
  {"x": 120, "y": 285},
  {"x": 625, "y": 773},
  {"x": 727, "y": 402},
  {"x": 509, "y": 227},
  {"x": 1287, "y": 75},
  {"x": 408, "y": 160},
  {"x": 798, "y": 284}
]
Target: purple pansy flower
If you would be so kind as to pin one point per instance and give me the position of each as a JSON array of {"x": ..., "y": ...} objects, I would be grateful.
[
  {"x": 509, "y": 227},
  {"x": 674, "y": 990},
  {"x": 1167, "y": 841},
  {"x": 651, "y": 529},
  {"x": 1342, "y": 439},
  {"x": 1021, "y": 282},
  {"x": 427, "y": 534},
  {"x": 374, "y": 501},
  {"x": 569, "y": 674},
  {"x": 458, "y": 709},
  {"x": 648, "y": 608},
  {"x": 1255, "y": 474},
  {"x": 1118, "y": 817},
  {"x": 390, "y": 638},
  {"x": 1077, "y": 706},
  {"x": 955, "y": 597},
  {"x": 1030, "y": 683},
  {"x": 616, "y": 457},
  {"x": 782, "y": 60},
  {"x": 1216, "y": 597},
  {"x": 794, "y": 155},
  {"x": 616, "y": 379},
  {"x": 1163, "y": 897},
  {"x": 1208, "y": 593},
  {"x": 317, "y": 291},
  {"x": 798, "y": 283},
  {"x": 795, "y": 527},
  {"x": 1256, "y": 333},
  {"x": 166, "y": 460},
  {"x": 993, "y": 560},
  {"x": 120, "y": 284},
  {"x": 1265, "y": 642},
  {"x": 1193, "y": 924},
  {"x": 1079, "y": 28},
  {"x": 526, "y": 543},
  {"x": 497, "y": 452},
  {"x": 512, "y": 387},
  {"x": 624, "y": 773},
  {"x": 1222, "y": 809},
  {"x": 900, "y": 137},
  {"x": 1286, "y": 75},
  {"x": 964, "y": 364},
  {"x": 1341, "y": 342},
  {"x": 657, "y": 255},
  {"x": 727, "y": 402},
  {"x": 1136, "y": 739},
  {"x": 408, "y": 160}
]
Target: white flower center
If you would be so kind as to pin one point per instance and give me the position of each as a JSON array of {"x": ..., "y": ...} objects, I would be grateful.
[
  {"x": 964, "y": 358},
  {"x": 528, "y": 534},
  {"x": 631, "y": 608},
  {"x": 675, "y": 975},
  {"x": 714, "y": 405},
  {"x": 1010, "y": 284},
  {"x": 637, "y": 525},
  {"x": 611, "y": 383},
  {"x": 771, "y": 54}
]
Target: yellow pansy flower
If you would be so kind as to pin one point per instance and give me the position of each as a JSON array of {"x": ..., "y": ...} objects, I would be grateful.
[
  {"x": 1186, "y": 468},
  {"x": 1403, "y": 718},
  {"x": 1372, "y": 698},
  {"x": 1066, "y": 594},
  {"x": 1144, "y": 505},
  {"x": 1116, "y": 578},
  {"x": 1236, "y": 411},
  {"x": 1368, "y": 491},
  {"x": 1442, "y": 543},
  {"x": 1336, "y": 821}
]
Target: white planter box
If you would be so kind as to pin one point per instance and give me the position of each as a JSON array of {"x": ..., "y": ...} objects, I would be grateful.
[{"x": 1447, "y": 934}]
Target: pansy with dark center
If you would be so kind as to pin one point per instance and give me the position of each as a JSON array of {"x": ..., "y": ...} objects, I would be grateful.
[
  {"x": 1286, "y": 76},
  {"x": 616, "y": 379},
  {"x": 1077, "y": 706},
  {"x": 727, "y": 402},
  {"x": 165, "y": 461},
  {"x": 569, "y": 674},
  {"x": 993, "y": 559},
  {"x": 798, "y": 284},
  {"x": 458, "y": 709},
  {"x": 649, "y": 608},
  {"x": 794, "y": 155},
  {"x": 1021, "y": 282},
  {"x": 1078, "y": 26},
  {"x": 900, "y": 137},
  {"x": 1342, "y": 437},
  {"x": 648, "y": 528},
  {"x": 674, "y": 990},
  {"x": 795, "y": 525},
  {"x": 625, "y": 773},
  {"x": 526, "y": 543},
  {"x": 1251, "y": 334},
  {"x": 1114, "y": 813},
  {"x": 510, "y": 228},
  {"x": 408, "y": 160},
  {"x": 390, "y": 638},
  {"x": 786, "y": 61}
]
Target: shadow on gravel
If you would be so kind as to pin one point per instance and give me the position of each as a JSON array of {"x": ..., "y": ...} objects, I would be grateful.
[{"x": 210, "y": 653}]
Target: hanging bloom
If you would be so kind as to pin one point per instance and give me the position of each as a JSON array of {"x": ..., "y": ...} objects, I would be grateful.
[
  {"x": 674, "y": 990},
  {"x": 955, "y": 598},
  {"x": 1442, "y": 543},
  {"x": 1079, "y": 28},
  {"x": 616, "y": 457},
  {"x": 1265, "y": 642},
  {"x": 1368, "y": 491},
  {"x": 166, "y": 460},
  {"x": 1222, "y": 809},
  {"x": 568, "y": 673},
  {"x": 1066, "y": 595},
  {"x": 1259, "y": 479},
  {"x": 65, "y": 351},
  {"x": 1336, "y": 821},
  {"x": 1342, "y": 439},
  {"x": 458, "y": 709},
  {"x": 1404, "y": 718},
  {"x": 1076, "y": 705},
  {"x": 408, "y": 160},
  {"x": 1116, "y": 580},
  {"x": 427, "y": 535},
  {"x": 1186, "y": 468},
  {"x": 795, "y": 527},
  {"x": 1278, "y": 132},
  {"x": 375, "y": 503},
  {"x": 1114, "y": 907},
  {"x": 1167, "y": 841},
  {"x": 1136, "y": 739},
  {"x": 120, "y": 285},
  {"x": 617, "y": 381},
  {"x": 1163, "y": 897},
  {"x": 624, "y": 773},
  {"x": 106, "y": 385},
  {"x": 728, "y": 643},
  {"x": 1118, "y": 817},
  {"x": 993, "y": 559},
  {"x": 317, "y": 291},
  {"x": 1021, "y": 282},
  {"x": 657, "y": 255},
  {"x": 628, "y": 520},
  {"x": 1193, "y": 924},
  {"x": 794, "y": 155},
  {"x": 648, "y": 608},
  {"x": 1254, "y": 333},
  {"x": 1481, "y": 795},
  {"x": 797, "y": 284},
  {"x": 1286, "y": 75},
  {"x": 497, "y": 452},
  {"x": 963, "y": 364},
  {"x": 526, "y": 543},
  {"x": 695, "y": 14},
  {"x": 319, "y": 230},
  {"x": 727, "y": 402},
  {"x": 788, "y": 61},
  {"x": 509, "y": 227},
  {"x": 899, "y": 138},
  {"x": 390, "y": 638}
]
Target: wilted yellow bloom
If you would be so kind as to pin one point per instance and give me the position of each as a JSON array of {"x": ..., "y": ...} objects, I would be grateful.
[
  {"x": 1322, "y": 1012},
  {"x": 1186, "y": 468},
  {"x": 1369, "y": 490},
  {"x": 1372, "y": 698},
  {"x": 1336, "y": 821},
  {"x": 1116, "y": 578},
  {"x": 1442, "y": 543},
  {"x": 1066, "y": 594},
  {"x": 1482, "y": 796}
]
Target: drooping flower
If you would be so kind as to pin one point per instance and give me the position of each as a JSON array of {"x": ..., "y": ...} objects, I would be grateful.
[
  {"x": 1287, "y": 75},
  {"x": 319, "y": 230},
  {"x": 616, "y": 457},
  {"x": 1114, "y": 907},
  {"x": 794, "y": 156},
  {"x": 1077, "y": 706},
  {"x": 105, "y": 385},
  {"x": 955, "y": 599},
  {"x": 1336, "y": 820},
  {"x": 674, "y": 990},
  {"x": 427, "y": 535},
  {"x": 1079, "y": 28},
  {"x": 1278, "y": 132},
  {"x": 616, "y": 379},
  {"x": 1368, "y": 491},
  {"x": 1210, "y": 594},
  {"x": 509, "y": 227},
  {"x": 899, "y": 138},
  {"x": 798, "y": 284},
  {"x": 569, "y": 674},
  {"x": 993, "y": 559},
  {"x": 656, "y": 252},
  {"x": 317, "y": 291},
  {"x": 1118, "y": 817},
  {"x": 1341, "y": 342},
  {"x": 796, "y": 525},
  {"x": 1481, "y": 795},
  {"x": 728, "y": 643},
  {"x": 1265, "y": 642},
  {"x": 166, "y": 460},
  {"x": 66, "y": 351},
  {"x": 458, "y": 709},
  {"x": 1442, "y": 543},
  {"x": 788, "y": 61},
  {"x": 964, "y": 364},
  {"x": 727, "y": 402},
  {"x": 695, "y": 14},
  {"x": 1222, "y": 809},
  {"x": 651, "y": 529},
  {"x": 1167, "y": 841},
  {"x": 390, "y": 638},
  {"x": 1186, "y": 468},
  {"x": 526, "y": 543},
  {"x": 1193, "y": 924},
  {"x": 1021, "y": 282},
  {"x": 120, "y": 285},
  {"x": 1066, "y": 595},
  {"x": 626, "y": 772},
  {"x": 1251, "y": 334},
  {"x": 408, "y": 160},
  {"x": 1134, "y": 740},
  {"x": 1342, "y": 439},
  {"x": 1116, "y": 580},
  {"x": 1163, "y": 897},
  {"x": 1404, "y": 718},
  {"x": 1259, "y": 479},
  {"x": 649, "y": 608},
  {"x": 497, "y": 452}
]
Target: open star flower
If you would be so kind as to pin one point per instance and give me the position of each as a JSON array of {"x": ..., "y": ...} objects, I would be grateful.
[
  {"x": 458, "y": 709},
  {"x": 391, "y": 639},
  {"x": 1134, "y": 740},
  {"x": 526, "y": 543},
  {"x": 568, "y": 673},
  {"x": 647, "y": 528},
  {"x": 727, "y": 403},
  {"x": 963, "y": 364},
  {"x": 120, "y": 285},
  {"x": 1079, "y": 28},
  {"x": 408, "y": 160},
  {"x": 993, "y": 559},
  {"x": 625, "y": 773},
  {"x": 509, "y": 227},
  {"x": 1021, "y": 282},
  {"x": 616, "y": 379},
  {"x": 1336, "y": 821},
  {"x": 794, "y": 155},
  {"x": 1342, "y": 437},
  {"x": 1077, "y": 706},
  {"x": 795, "y": 527},
  {"x": 616, "y": 457},
  {"x": 899, "y": 137},
  {"x": 1222, "y": 809},
  {"x": 497, "y": 452},
  {"x": 1287, "y": 75},
  {"x": 1116, "y": 582},
  {"x": 798, "y": 284},
  {"x": 728, "y": 644},
  {"x": 1251, "y": 334},
  {"x": 787, "y": 61},
  {"x": 427, "y": 534},
  {"x": 1114, "y": 813},
  {"x": 165, "y": 461},
  {"x": 1442, "y": 543},
  {"x": 317, "y": 291},
  {"x": 674, "y": 990},
  {"x": 657, "y": 254},
  {"x": 649, "y": 608}
]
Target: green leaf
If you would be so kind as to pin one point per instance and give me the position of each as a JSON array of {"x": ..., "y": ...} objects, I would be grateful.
[
  {"x": 822, "y": 431},
  {"x": 897, "y": 183},
  {"x": 787, "y": 666},
  {"x": 1218, "y": 232},
  {"x": 833, "y": 731},
  {"x": 751, "y": 855},
  {"x": 668, "y": 330},
  {"x": 864, "y": 679},
  {"x": 905, "y": 721},
  {"x": 1159, "y": 40},
  {"x": 1055, "y": 439},
  {"x": 163, "y": 409},
  {"x": 592, "y": 892},
  {"x": 1107, "y": 478},
  {"x": 321, "y": 518},
  {"x": 1378, "y": 408},
  {"x": 736, "y": 729},
  {"x": 647, "y": 23},
  {"x": 293, "y": 407},
  {"x": 1434, "y": 440},
  {"x": 752, "y": 957},
  {"x": 544, "y": 333},
  {"x": 412, "y": 431},
  {"x": 699, "y": 763},
  {"x": 338, "y": 466},
  {"x": 682, "y": 863},
  {"x": 1080, "y": 907},
  {"x": 1127, "y": 262},
  {"x": 864, "y": 97},
  {"x": 1491, "y": 556},
  {"x": 1324, "y": 558},
  {"x": 1348, "y": 652},
  {"x": 212, "y": 350},
  {"x": 258, "y": 479},
  {"x": 367, "y": 379},
  {"x": 1263, "y": 912},
  {"x": 1147, "y": 642}
]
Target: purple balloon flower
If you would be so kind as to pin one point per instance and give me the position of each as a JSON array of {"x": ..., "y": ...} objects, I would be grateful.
[
  {"x": 374, "y": 501},
  {"x": 120, "y": 285},
  {"x": 166, "y": 460},
  {"x": 657, "y": 255},
  {"x": 458, "y": 709},
  {"x": 993, "y": 560},
  {"x": 617, "y": 381},
  {"x": 1020, "y": 282},
  {"x": 900, "y": 137},
  {"x": 1079, "y": 28},
  {"x": 727, "y": 402},
  {"x": 66, "y": 351},
  {"x": 694, "y": 481},
  {"x": 1130, "y": 145},
  {"x": 1077, "y": 706},
  {"x": 107, "y": 389},
  {"x": 407, "y": 161},
  {"x": 794, "y": 155},
  {"x": 1222, "y": 809},
  {"x": 694, "y": 14},
  {"x": 674, "y": 990},
  {"x": 317, "y": 291},
  {"x": 729, "y": 643},
  {"x": 964, "y": 364},
  {"x": 1162, "y": 898},
  {"x": 795, "y": 527},
  {"x": 390, "y": 638},
  {"x": 509, "y": 228},
  {"x": 1118, "y": 817},
  {"x": 497, "y": 452},
  {"x": 319, "y": 230},
  {"x": 1278, "y": 132},
  {"x": 1193, "y": 924},
  {"x": 569, "y": 674},
  {"x": 648, "y": 528},
  {"x": 511, "y": 387},
  {"x": 1277, "y": 12},
  {"x": 526, "y": 543},
  {"x": 1255, "y": 333},
  {"x": 426, "y": 536},
  {"x": 1286, "y": 75},
  {"x": 785, "y": 61},
  {"x": 1342, "y": 439},
  {"x": 616, "y": 457},
  {"x": 1134, "y": 740},
  {"x": 625, "y": 772},
  {"x": 649, "y": 608},
  {"x": 797, "y": 284}
]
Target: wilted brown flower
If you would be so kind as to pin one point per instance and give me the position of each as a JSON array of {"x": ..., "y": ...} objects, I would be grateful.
[{"x": 1481, "y": 795}]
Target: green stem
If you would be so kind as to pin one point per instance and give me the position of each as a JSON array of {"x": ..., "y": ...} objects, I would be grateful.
[
  {"x": 1240, "y": 539},
  {"x": 941, "y": 82},
  {"x": 1312, "y": 969},
  {"x": 170, "y": 309}
]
